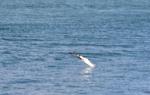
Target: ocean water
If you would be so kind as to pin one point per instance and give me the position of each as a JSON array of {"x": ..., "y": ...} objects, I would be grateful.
[{"x": 36, "y": 37}]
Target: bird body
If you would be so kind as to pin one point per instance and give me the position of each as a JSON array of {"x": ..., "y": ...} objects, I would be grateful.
[{"x": 85, "y": 60}]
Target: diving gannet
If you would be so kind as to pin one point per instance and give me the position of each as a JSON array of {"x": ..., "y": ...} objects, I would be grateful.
[{"x": 85, "y": 60}]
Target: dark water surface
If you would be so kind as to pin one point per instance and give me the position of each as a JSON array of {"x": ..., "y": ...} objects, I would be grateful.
[{"x": 36, "y": 36}]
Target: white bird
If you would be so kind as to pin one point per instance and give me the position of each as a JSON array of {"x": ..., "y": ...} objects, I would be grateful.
[{"x": 85, "y": 60}]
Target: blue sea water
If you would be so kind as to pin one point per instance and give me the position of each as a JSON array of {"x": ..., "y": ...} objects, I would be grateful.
[{"x": 36, "y": 37}]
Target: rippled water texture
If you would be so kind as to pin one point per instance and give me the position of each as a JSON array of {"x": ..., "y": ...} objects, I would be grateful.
[{"x": 36, "y": 37}]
